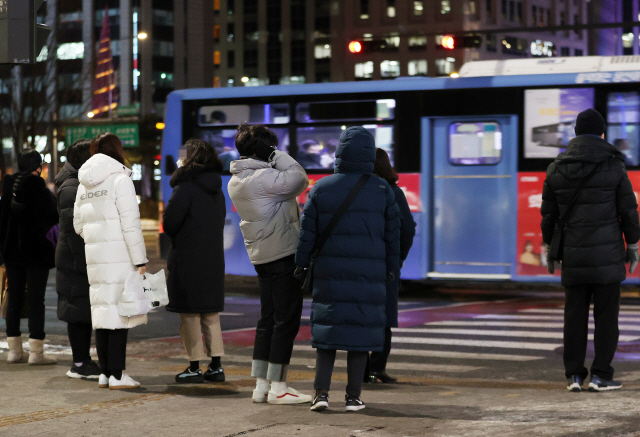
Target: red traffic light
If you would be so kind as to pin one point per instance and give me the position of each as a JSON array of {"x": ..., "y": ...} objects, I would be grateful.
[
  {"x": 355, "y": 47},
  {"x": 448, "y": 42}
]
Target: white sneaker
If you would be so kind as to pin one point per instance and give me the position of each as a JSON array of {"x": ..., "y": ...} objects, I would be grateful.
[
  {"x": 287, "y": 396},
  {"x": 125, "y": 382},
  {"x": 259, "y": 396},
  {"x": 103, "y": 381}
]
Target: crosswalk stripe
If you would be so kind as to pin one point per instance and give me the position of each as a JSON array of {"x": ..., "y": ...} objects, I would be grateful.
[
  {"x": 561, "y": 311},
  {"x": 539, "y": 317},
  {"x": 444, "y": 354},
  {"x": 540, "y": 325},
  {"x": 503, "y": 333},
  {"x": 477, "y": 343}
]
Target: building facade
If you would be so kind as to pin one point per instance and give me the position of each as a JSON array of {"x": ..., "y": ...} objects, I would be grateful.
[{"x": 303, "y": 41}]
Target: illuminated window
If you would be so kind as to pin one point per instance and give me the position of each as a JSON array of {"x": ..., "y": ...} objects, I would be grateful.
[
  {"x": 364, "y": 9},
  {"x": 216, "y": 57},
  {"x": 390, "y": 68},
  {"x": 322, "y": 51},
  {"x": 364, "y": 70},
  {"x": 418, "y": 7},
  {"x": 475, "y": 143},
  {"x": 445, "y": 66},
  {"x": 391, "y": 8},
  {"x": 445, "y": 7},
  {"x": 417, "y": 42},
  {"x": 70, "y": 50},
  {"x": 417, "y": 67}
]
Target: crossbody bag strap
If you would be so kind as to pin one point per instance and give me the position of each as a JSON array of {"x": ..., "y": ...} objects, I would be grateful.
[
  {"x": 336, "y": 217},
  {"x": 565, "y": 219}
]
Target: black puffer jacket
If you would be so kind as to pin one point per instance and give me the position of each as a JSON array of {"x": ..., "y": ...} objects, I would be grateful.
[
  {"x": 72, "y": 283},
  {"x": 594, "y": 250},
  {"x": 27, "y": 213},
  {"x": 194, "y": 219}
]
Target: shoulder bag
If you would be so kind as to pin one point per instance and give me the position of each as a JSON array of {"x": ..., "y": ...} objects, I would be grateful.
[
  {"x": 557, "y": 241},
  {"x": 307, "y": 285}
]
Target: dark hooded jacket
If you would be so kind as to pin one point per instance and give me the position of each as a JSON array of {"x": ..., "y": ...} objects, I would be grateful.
[
  {"x": 194, "y": 220},
  {"x": 72, "y": 283},
  {"x": 351, "y": 272},
  {"x": 27, "y": 214},
  {"x": 606, "y": 208}
]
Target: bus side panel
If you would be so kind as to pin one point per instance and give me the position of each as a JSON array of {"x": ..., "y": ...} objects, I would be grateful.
[
  {"x": 531, "y": 258},
  {"x": 236, "y": 259},
  {"x": 171, "y": 140}
]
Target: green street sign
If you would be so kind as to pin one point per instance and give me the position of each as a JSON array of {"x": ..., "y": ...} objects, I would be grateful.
[
  {"x": 129, "y": 134},
  {"x": 128, "y": 110}
]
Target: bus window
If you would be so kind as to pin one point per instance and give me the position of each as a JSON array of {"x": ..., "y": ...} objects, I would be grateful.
[
  {"x": 475, "y": 143},
  {"x": 277, "y": 113},
  {"x": 350, "y": 110},
  {"x": 317, "y": 145},
  {"x": 623, "y": 124},
  {"x": 223, "y": 140}
]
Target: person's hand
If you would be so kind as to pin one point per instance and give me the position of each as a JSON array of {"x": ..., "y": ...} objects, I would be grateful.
[
  {"x": 550, "y": 267},
  {"x": 300, "y": 273},
  {"x": 142, "y": 270},
  {"x": 263, "y": 150},
  {"x": 633, "y": 256}
]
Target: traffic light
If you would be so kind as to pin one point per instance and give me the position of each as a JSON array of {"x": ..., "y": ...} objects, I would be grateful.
[
  {"x": 355, "y": 47},
  {"x": 21, "y": 38},
  {"x": 449, "y": 42},
  {"x": 377, "y": 45}
]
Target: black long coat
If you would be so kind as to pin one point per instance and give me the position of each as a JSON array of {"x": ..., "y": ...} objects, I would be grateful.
[
  {"x": 407, "y": 232},
  {"x": 194, "y": 220},
  {"x": 26, "y": 217},
  {"x": 606, "y": 208},
  {"x": 72, "y": 283}
]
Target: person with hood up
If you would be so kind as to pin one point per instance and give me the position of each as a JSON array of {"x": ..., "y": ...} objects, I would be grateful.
[
  {"x": 264, "y": 185},
  {"x": 72, "y": 283},
  {"x": 194, "y": 220},
  {"x": 593, "y": 248},
  {"x": 27, "y": 214},
  {"x": 107, "y": 217},
  {"x": 378, "y": 360},
  {"x": 352, "y": 270}
]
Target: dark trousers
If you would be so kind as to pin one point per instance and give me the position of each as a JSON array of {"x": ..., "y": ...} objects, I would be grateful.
[
  {"x": 18, "y": 278},
  {"x": 111, "y": 345},
  {"x": 378, "y": 360},
  {"x": 80, "y": 339},
  {"x": 606, "y": 306},
  {"x": 356, "y": 362},
  {"x": 281, "y": 308}
]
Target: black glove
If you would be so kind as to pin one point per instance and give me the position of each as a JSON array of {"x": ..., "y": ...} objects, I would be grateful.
[
  {"x": 300, "y": 273},
  {"x": 263, "y": 150}
]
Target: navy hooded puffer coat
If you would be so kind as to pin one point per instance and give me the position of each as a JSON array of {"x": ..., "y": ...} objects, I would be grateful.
[{"x": 350, "y": 273}]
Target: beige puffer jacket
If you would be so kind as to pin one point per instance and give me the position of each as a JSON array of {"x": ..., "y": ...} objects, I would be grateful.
[{"x": 264, "y": 194}]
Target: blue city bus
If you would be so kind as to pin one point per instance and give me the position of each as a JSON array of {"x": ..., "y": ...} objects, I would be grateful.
[{"x": 471, "y": 151}]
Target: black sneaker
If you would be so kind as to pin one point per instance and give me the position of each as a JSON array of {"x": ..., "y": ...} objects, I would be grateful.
[
  {"x": 575, "y": 384},
  {"x": 216, "y": 375},
  {"x": 321, "y": 402},
  {"x": 88, "y": 370},
  {"x": 190, "y": 376},
  {"x": 599, "y": 384},
  {"x": 353, "y": 403}
]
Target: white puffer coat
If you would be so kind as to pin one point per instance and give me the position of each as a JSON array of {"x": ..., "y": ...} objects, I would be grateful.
[
  {"x": 106, "y": 215},
  {"x": 264, "y": 194}
]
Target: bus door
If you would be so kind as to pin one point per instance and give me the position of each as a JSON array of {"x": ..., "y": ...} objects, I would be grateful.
[{"x": 474, "y": 196}]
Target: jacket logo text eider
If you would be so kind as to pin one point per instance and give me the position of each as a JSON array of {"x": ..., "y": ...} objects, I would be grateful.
[{"x": 94, "y": 196}]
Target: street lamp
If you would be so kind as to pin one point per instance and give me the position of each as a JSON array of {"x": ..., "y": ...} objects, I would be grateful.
[{"x": 142, "y": 35}]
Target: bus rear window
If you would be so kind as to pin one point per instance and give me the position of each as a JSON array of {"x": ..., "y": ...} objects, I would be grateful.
[
  {"x": 233, "y": 115},
  {"x": 475, "y": 143},
  {"x": 345, "y": 110}
]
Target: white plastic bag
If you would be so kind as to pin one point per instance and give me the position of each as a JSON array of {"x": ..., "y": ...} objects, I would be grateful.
[{"x": 141, "y": 293}]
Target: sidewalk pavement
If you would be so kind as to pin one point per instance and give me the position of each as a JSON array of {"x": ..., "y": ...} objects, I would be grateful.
[{"x": 43, "y": 401}]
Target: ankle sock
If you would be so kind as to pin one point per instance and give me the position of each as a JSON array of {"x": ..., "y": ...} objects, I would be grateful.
[
  {"x": 278, "y": 386},
  {"x": 79, "y": 364},
  {"x": 117, "y": 374},
  {"x": 194, "y": 365},
  {"x": 215, "y": 363},
  {"x": 262, "y": 384}
]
